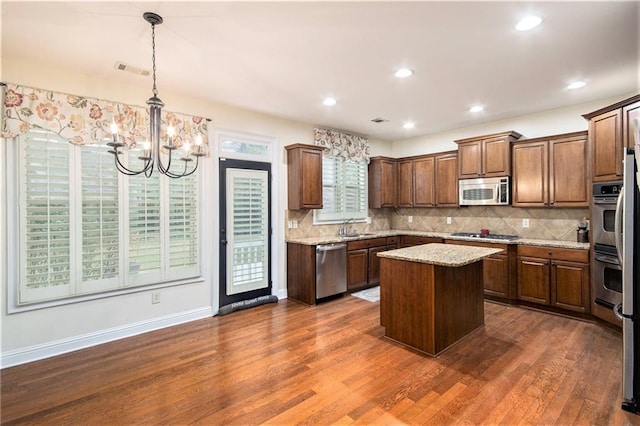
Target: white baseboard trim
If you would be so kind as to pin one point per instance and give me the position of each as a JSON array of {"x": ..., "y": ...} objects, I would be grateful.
[
  {"x": 59, "y": 347},
  {"x": 281, "y": 293}
]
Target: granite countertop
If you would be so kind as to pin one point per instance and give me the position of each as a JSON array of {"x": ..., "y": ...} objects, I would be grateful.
[
  {"x": 327, "y": 239},
  {"x": 450, "y": 255}
]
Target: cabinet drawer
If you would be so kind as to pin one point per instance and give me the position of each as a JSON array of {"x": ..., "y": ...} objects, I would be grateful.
[
  {"x": 371, "y": 242},
  {"x": 479, "y": 244},
  {"x": 572, "y": 255},
  {"x": 392, "y": 240},
  {"x": 415, "y": 240}
]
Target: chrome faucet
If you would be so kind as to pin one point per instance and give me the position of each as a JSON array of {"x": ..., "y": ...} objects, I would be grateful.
[{"x": 344, "y": 231}]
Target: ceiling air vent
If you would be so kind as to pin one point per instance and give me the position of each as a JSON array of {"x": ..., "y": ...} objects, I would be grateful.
[
  {"x": 134, "y": 70},
  {"x": 379, "y": 120}
]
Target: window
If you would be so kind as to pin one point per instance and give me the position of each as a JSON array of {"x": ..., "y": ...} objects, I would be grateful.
[
  {"x": 82, "y": 228},
  {"x": 344, "y": 191}
]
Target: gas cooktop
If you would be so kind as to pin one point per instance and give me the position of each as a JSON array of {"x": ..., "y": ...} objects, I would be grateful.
[{"x": 487, "y": 236}]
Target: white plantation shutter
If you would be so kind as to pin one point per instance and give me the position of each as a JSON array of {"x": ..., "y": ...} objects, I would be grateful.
[
  {"x": 344, "y": 190},
  {"x": 45, "y": 213},
  {"x": 100, "y": 224},
  {"x": 144, "y": 228},
  {"x": 82, "y": 228},
  {"x": 183, "y": 223},
  {"x": 248, "y": 260}
]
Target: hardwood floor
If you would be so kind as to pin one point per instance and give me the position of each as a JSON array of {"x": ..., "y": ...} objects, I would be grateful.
[{"x": 286, "y": 363}]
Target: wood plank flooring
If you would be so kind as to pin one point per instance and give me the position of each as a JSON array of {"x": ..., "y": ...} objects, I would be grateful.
[{"x": 286, "y": 363}]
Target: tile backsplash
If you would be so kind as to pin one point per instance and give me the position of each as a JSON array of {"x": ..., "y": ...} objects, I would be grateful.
[
  {"x": 306, "y": 228},
  {"x": 546, "y": 224}
]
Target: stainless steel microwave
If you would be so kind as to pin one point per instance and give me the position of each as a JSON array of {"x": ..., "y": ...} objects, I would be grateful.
[{"x": 484, "y": 192}]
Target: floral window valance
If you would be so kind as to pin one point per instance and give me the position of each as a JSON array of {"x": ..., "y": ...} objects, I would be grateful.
[
  {"x": 342, "y": 145},
  {"x": 83, "y": 120}
]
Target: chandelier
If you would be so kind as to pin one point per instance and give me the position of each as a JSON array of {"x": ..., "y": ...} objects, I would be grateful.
[{"x": 151, "y": 153}]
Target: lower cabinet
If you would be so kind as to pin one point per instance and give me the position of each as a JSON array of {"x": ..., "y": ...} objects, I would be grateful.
[
  {"x": 301, "y": 273},
  {"x": 554, "y": 277},
  {"x": 363, "y": 264},
  {"x": 498, "y": 270},
  {"x": 416, "y": 240}
]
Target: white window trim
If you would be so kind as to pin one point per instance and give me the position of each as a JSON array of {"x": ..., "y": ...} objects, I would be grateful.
[{"x": 9, "y": 216}]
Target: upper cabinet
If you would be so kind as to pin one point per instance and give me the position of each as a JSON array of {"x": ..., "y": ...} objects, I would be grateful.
[
  {"x": 485, "y": 156},
  {"x": 304, "y": 176},
  {"x": 405, "y": 183},
  {"x": 610, "y": 130},
  {"x": 428, "y": 181},
  {"x": 382, "y": 182},
  {"x": 446, "y": 181},
  {"x": 551, "y": 171}
]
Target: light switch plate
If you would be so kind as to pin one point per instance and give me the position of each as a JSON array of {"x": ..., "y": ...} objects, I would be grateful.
[
  {"x": 410, "y": 219},
  {"x": 369, "y": 219},
  {"x": 448, "y": 220},
  {"x": 525, "y": 223}
]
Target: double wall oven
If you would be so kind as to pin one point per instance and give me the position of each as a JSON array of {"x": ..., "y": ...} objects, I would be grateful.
[{"x": 607, "y": 271}]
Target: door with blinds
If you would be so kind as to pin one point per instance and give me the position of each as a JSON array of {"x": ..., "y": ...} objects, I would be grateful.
[{"x": 245, "y": 230}]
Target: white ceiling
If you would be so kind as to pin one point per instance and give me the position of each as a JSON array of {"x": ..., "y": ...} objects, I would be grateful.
[{"x": 283, "y": 58}]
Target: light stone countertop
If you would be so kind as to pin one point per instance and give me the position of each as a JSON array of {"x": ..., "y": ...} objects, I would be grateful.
[
  {"x": 327, "y": 239},
  {"x": 450, "y": 255}
]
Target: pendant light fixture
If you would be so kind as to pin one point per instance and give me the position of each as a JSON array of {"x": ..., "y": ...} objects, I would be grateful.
[{"x": 152, "y": 154}]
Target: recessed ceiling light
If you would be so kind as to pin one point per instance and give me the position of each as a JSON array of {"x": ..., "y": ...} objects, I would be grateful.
[
  {"x": 476, "y": 108},
  {"x": 528, "y": 22},
  {"x": 577, "y": 85},
  {"x": 403, "y": 73},
  {"x": 329, "y": 102},
  {"x": 409, "y": 125}
]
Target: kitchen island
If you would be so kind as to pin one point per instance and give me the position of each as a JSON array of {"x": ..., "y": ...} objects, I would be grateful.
[{"x": 431, "y": 295}]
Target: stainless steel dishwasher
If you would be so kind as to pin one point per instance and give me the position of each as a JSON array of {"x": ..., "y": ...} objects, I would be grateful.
[{"x": 331, "y": 269}]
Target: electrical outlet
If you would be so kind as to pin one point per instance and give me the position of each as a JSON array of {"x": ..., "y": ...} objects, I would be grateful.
[
  {"x": 410, "y": 219},
  {"x": 290, "y": 224},
  {"x": 448, "y": 220},
  {"x": 155, "y": 297},
  {"x": 525, "y": 223},
  {"x": 369, "y": 220},
  {"x": 295, "y": 224}
]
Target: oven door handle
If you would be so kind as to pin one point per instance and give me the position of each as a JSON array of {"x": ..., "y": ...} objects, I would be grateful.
[
  {"x": 606, "y": 259},
  {"x": 618, "y": 228}
]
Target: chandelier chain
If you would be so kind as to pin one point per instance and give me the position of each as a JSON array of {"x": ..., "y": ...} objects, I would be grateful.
[{"x": 153, "y": 57}]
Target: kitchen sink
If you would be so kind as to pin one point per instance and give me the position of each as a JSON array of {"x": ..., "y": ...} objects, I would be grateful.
[{"x": 357, "y": 234}]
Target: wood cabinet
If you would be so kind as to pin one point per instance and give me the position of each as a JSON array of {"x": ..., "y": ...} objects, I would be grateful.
[
  {"x": 416, "y": 240},
  {"x": 301, "y": 273},
  {"x": 630, "y": 113},
  {"x": 304, "y": 176},
  {"x": 428, "y": 181},
  {"x": 610, "y": 130},
  {"x": 551, "y": 171},
  {"x": 424, "y": 184},
  {"x": 405, "y": 183},
  {"x": 382, "y": 182},
  {"x": 498, "y": 270},
  {"x": 485, "y": 156},
  {"x": 363, "y": 264},
  {"x": 446, "y": 180},
  {"x": 357, "y": 268},
  {"x": 554, "y": 277}
]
